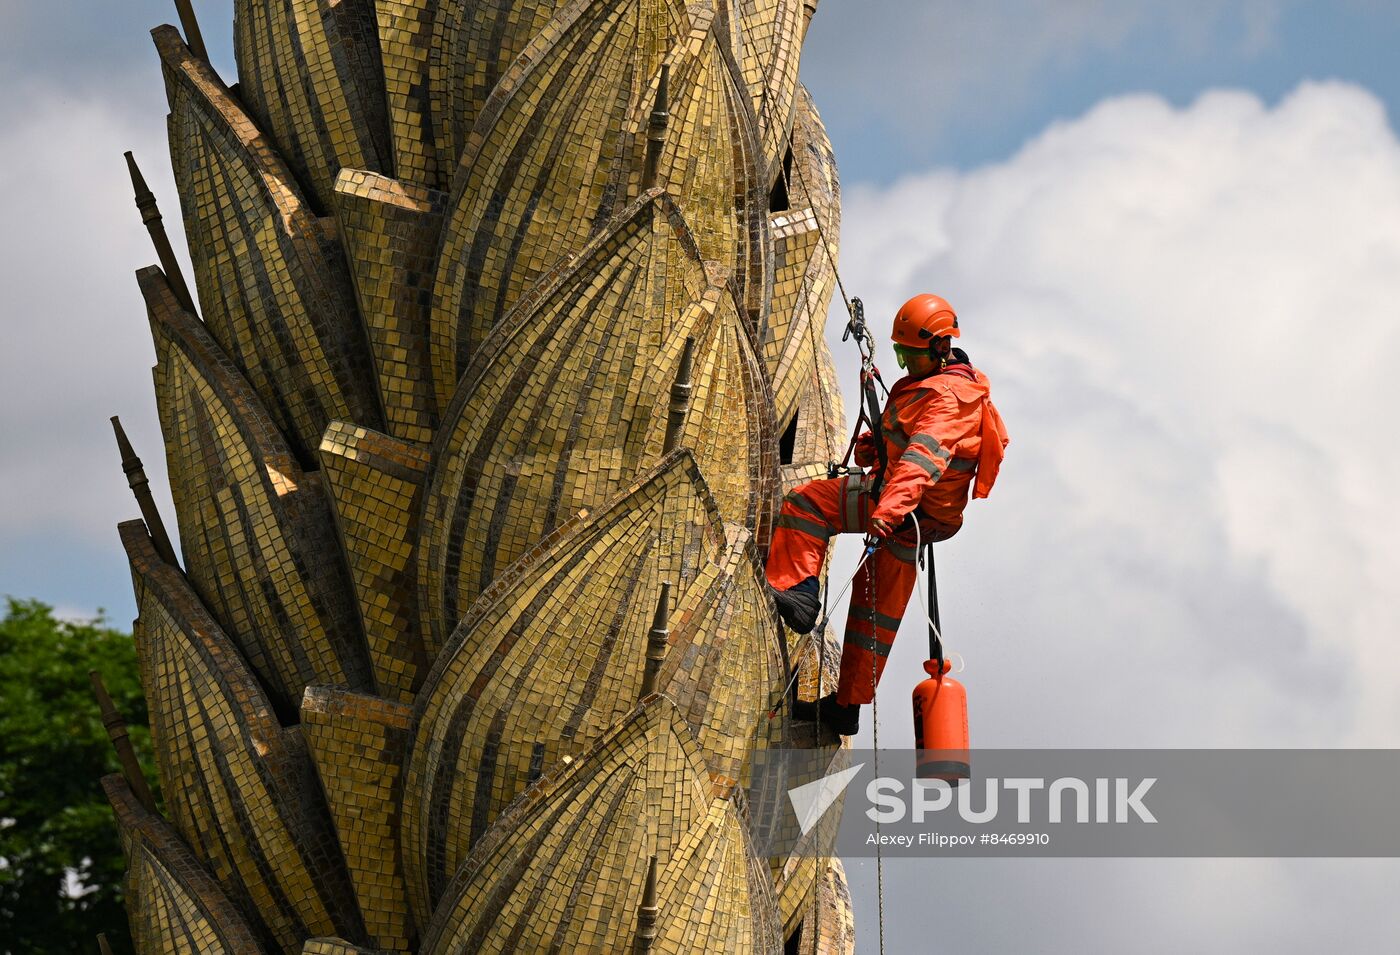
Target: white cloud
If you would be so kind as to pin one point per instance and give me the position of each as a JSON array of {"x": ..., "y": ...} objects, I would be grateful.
[
  {"x": 77, "y": 348},
  {"x": 1189, "y": 319},
  {"x": 1188, "y": 316}
]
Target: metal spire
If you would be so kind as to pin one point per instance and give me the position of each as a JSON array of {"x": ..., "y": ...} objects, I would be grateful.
[
  {"x": 193, "y": 38},
  {"x": 648, "y": 912},
  {"x": 141, "y": 488},
  {"x": 121, "y": 742},
  {"x": 150, "y": 215},
  {"x": 656, "y": 130},
  {"x": 656, "y": 641},
  {"x": 680, "y": 397}
]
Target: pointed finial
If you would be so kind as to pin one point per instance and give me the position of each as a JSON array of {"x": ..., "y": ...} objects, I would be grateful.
[
  {"x": 102, "y": 945},
  {"x": 680, "y": 397},
  {"x": 141, "y": 487},
  {"x": 116, "y": 732},
  {"x": 657, "y": 638},
  {"x": 656, "y": 129},
  {"x": 193, "y": 38},
  {"x": 155, "y": 226},
  {"x": 648, "y": 912}
]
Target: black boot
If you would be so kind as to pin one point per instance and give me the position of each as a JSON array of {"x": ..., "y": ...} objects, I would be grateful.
[
  {"x": 799, "y": 605},
  {"x": 844, "y": 720}
]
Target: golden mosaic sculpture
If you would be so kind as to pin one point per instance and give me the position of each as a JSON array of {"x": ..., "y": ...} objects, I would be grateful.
[{"x": 508, "y": 337}]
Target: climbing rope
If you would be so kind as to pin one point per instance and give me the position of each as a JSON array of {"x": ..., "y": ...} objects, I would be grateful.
[
  {"x": 870, "y": 415},
  {"x": 875, "y": 743}
]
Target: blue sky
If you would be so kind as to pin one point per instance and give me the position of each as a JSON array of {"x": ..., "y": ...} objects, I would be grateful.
[
  {"x": 976, "y": 83},
  {"x": 1173, "y": 232}
]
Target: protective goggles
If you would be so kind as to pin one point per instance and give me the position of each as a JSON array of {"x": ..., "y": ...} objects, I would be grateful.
[{"x": 902, "y": 353}]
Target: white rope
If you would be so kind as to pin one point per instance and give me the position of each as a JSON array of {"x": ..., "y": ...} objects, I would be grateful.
[{"x": 923, "y": 600}]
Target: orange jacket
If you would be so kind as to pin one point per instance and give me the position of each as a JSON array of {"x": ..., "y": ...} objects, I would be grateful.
[{"x": 941, "y": 431}]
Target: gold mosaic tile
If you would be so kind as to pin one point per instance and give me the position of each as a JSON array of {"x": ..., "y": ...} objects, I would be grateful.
[
  {"x": 814, "y": 181},
  {"x": 310, "y": 71},
  {"x": 408, "y": 48},
  {"x": 256, "y": 530},
  {"x": 556, "y": 153},
  {"x": 375, "y": 484},
  {"x": 829, "y": 925},
  {"x": 766, "y": 36},
  {"x": 564, "y": 869},
  {"x": 817, "y": 434},
  {"x": 568, "y": 404},
  {"x": 357, "y": 742},
  {"x": 710, "y": 161},
  {"x": 553, "y": 655},
  {"x": 172, "y": 903},
  {"x": 804, "y": 276},
  {"x": 336, "y": 946},
  {"x": 390, "y": 231},
  {"x": 474, "y": 45},
  {"x": 272, "y": 282},
  {"x": 715, "y": 895},
  {"x": 441, "y": 62},
  {"x": 238, "y": 786},
  {"x": 799, "y": 876}
]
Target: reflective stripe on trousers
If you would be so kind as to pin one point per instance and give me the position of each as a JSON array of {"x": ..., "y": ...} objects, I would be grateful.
[{"x": 811, "y": 514}]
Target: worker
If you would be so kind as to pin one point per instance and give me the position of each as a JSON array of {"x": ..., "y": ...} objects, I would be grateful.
[{"x": 944, "y": 441}]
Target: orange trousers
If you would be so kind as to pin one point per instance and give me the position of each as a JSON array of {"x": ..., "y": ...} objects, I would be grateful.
[{"x": 811, "y": 515}]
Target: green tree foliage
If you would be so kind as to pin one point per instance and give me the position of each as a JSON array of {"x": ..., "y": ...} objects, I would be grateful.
[{"x": 60, "y": 860}]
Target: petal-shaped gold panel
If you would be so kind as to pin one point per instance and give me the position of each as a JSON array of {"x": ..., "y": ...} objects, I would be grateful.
[
  {"x": 357, "y": 742},
  {"x": 390, "y": 232},
  {"x": 477, "y": 44},
  {"x": 375, "y": 484},
  {"x": 564, "y": 869},
  {"x": 240, "y": 789},
  {"x": 309, "y": 70},
  {"x": 408, "y": 48},
  {"x": 172, "y": 903},
  {"x": 766, "y": 37},
  {"x": 272, "y": 280},
  {"x": 814, "y": 181},
  {"x": 804, "y": 273},
  {"x": 829, "y": 925},
  {"x": 816, "y": 435},
  {"x": 552, "y": 158},
  {"x": 725, "y": 663},
  {"x": 715, "y": 895},
  {"x": 710, "y": 162},
  {"x": 553, "y": 655},
  {"x": 256, "y": 531},
  {"x": 802, "y": 280},
  {"x": 568, "y": 403},
  {"x": 800, "y": 875},
  {"x": 441, "y": 62}
]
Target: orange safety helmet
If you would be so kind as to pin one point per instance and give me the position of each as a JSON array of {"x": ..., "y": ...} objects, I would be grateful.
[{"x": 922, "y": 319}]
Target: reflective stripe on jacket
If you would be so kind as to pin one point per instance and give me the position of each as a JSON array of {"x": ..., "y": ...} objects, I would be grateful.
[{"x": 940, "y": 432}]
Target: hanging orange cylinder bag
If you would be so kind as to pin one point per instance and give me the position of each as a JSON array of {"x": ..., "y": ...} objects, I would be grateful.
[{"x": 940, "y": 725}]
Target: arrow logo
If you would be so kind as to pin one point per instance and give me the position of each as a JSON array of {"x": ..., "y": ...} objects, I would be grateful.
[{"x": 811, "y": 801}]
